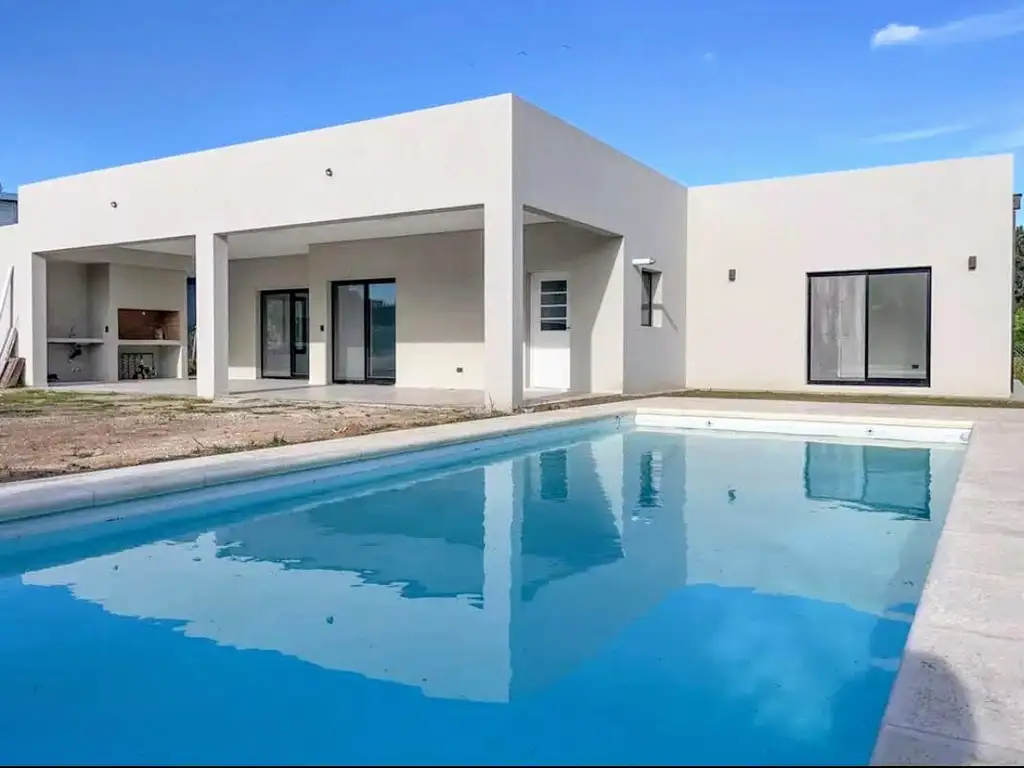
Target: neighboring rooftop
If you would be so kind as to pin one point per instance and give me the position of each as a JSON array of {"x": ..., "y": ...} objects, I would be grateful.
[{"x": 8, "y": 208}]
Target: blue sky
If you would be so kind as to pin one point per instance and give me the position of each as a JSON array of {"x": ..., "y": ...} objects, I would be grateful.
[{"x": 705, "y": 91}]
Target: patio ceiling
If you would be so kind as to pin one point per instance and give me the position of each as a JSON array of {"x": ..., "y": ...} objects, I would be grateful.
[{"x": 291, "y": 240}]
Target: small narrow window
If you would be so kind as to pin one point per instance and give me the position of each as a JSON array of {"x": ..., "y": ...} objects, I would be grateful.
[{"x": 647, "y": 284}]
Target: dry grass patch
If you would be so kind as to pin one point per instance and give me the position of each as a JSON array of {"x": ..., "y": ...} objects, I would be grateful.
[{"x": 45, "y": 433}]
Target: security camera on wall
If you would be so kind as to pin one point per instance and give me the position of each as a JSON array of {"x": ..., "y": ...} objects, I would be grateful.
[{"x": 643, "y": 262}]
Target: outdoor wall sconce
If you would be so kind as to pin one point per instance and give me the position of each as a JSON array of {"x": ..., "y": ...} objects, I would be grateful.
[
  {"x": 328, "y": 172},
  {"x": 732, "y": 275},
  {"x": 972, "y": 263},
  {"x": 113, "y": 203}
]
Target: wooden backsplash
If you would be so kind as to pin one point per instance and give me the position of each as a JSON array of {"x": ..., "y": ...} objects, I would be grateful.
[{"x": 142, "y": 324}]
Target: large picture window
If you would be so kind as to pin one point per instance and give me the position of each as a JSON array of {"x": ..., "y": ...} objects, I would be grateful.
[{"x": 869, "y": 327}]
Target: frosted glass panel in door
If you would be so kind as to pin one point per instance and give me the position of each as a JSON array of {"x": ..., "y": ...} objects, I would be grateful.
[
  {"x": 349, "y": 333},
  {"x": 382, "y": 331},
  {"x": 277, "y": 340},
  {"x": 836, "y": 332},
  {"x": 898, "y": 325}
]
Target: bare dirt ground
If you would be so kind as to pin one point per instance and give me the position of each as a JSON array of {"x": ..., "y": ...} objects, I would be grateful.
[
  {"x": 52, "y": 432},
  {"x": 55, "y": 433}
]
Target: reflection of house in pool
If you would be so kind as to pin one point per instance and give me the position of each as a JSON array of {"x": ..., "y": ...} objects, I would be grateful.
[
  {"x": 846, "y": 524},
  {"x": 491, "y": 561},
  {"x": 433, "y": 549},
  {"x": 436, "y": 548},
  {"x": 560, "y": 537},
  {"x": 876, "y": 478}
]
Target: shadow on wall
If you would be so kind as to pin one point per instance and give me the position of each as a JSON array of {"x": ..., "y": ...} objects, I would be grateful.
[
  {"x": 594, "y": 271},
  {"x": 590, "y": 260},
  {"x": 929, "y": 697}
]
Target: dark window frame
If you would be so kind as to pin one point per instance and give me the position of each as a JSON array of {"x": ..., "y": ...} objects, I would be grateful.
[
  {"x": 647, "y": 287},
  {"x": 866, "y": 380},
  {"x": 293, "y": 351},
  {"x": 367, "y": 330},
  {"x": 190, "y": 303},
  {"x": 555, "y": 323}
]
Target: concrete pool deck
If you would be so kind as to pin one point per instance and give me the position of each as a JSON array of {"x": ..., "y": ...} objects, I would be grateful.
[{"x": 959, "y": 695}]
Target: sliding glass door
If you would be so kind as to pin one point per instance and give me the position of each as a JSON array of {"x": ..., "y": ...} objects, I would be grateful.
[
  {"x": 869, "y": 327},
  {"x": 284, "y": 334},
  {"x": 381, "y": 338},
  {"x": 349, "y": 332},
  {"x": 363, "y": 329}
]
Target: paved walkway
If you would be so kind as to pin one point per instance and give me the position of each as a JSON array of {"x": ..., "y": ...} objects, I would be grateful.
[{"x": 301, "y": 390}]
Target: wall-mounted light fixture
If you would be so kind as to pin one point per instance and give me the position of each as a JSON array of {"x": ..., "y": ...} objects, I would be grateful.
[
  {"x": 113, "y": 203},
  {"x": 732, "y": 275},
  {"x": 643, "y": 262},
  {"x": 972, "y": 263},
  {"x": 328, "y": 172}
]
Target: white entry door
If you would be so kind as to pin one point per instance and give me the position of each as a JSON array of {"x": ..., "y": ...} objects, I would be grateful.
[{"x": 549, "y": 330}]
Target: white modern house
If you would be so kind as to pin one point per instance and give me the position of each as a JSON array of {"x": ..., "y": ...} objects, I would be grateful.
[{"x": 491, "y": 248}]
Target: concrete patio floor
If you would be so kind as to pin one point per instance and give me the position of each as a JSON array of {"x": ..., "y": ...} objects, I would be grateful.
[{"x": 300, "y": 390}]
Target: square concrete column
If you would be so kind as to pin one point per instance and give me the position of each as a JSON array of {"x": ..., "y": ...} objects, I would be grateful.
[
  {"x": 319, "y": 344},
  {"x": 211, "y": 315},
  {"x": 30, "y": 317},
  {"x": 503, "y": 306}
]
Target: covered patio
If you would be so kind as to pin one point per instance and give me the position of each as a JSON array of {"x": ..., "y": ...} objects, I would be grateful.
[{"x": 383, "y": 310}]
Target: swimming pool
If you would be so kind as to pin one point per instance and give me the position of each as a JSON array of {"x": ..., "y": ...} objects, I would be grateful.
[{"x": 597, "y": 593}]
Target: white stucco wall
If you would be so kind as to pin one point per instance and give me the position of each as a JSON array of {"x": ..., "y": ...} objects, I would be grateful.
[
  {"x": 752, "y": 334},
  {"x": 440, "y": 301},
  {"x": 29, "y": 299},
  {"x": 445, "y": 157},
  {"x": 591, "y": 262},
  {"x": 9, "y": 250},
  {"x": 561, "y": 170},
  {"x": 246, "y": 278},
  {"x": 73, "y": 308},
  {"x": 136, "y": 287},
  {"x": 439, "y": 295}
]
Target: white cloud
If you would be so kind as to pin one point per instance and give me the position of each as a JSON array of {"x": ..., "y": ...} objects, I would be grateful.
[
  {"x": 918, "y": 135},
  {"x": 985, "y": 26},
  {"x": 895, "y": 34}
]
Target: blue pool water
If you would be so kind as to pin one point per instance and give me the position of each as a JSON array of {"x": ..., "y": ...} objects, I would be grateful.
[{"x": 593, "y": 594}]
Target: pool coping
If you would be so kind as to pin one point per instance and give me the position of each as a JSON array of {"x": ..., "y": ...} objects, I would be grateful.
[
  {"x": 66, "y": 493},
  {"x": 959, "y": 694}
]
